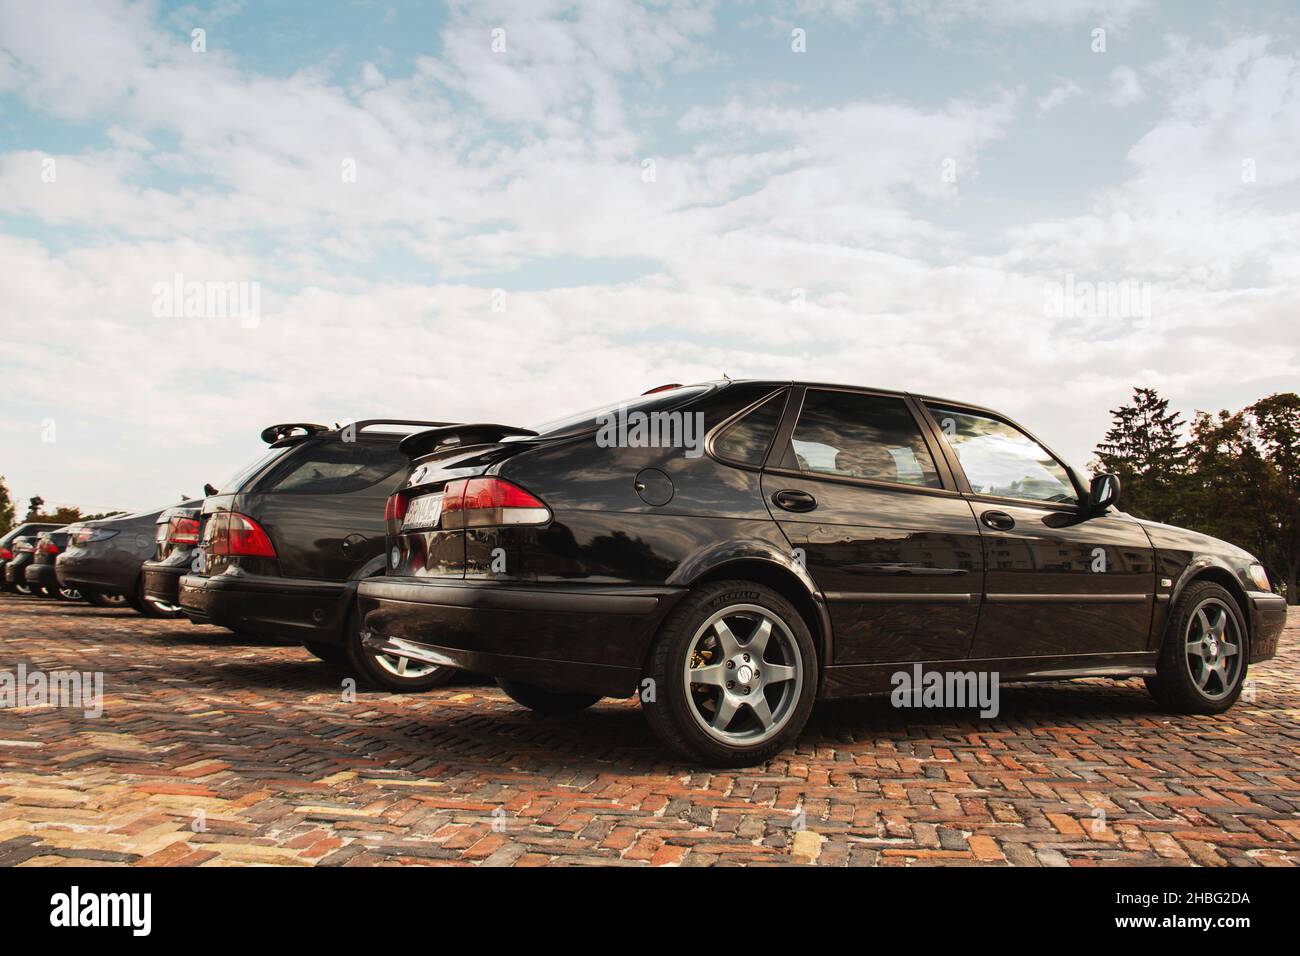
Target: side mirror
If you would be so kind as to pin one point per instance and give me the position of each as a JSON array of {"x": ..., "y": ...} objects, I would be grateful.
[
  {"x": 209, "y": 490},
  {"x": 1103, "y": 493}
]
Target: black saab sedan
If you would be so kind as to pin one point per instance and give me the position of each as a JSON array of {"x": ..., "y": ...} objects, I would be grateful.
[
  {"x": 41, "y": 574},
  {"x": 283, "y": 545},
  {"x": 733, "y": 550}
]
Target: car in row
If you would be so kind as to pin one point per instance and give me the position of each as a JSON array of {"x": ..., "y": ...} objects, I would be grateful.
[{"x": 729, "y": 552}]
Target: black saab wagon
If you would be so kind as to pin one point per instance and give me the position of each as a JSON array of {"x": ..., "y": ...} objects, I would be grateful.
[
  {"x": 734, "y": 550},
  {"x": 281, "y": 548}
]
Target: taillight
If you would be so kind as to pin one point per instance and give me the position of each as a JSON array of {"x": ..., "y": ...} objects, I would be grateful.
[
  {"x": 6, "y": 554},
  {"x": 183, "y": 531},
  {"x": 229, "y": 534},
  {"x": 86, "y": 535},
  {"x": 490, "y": 502},
  {"x": 394, "y": 512},
  {"x": 47, "y": 547}
]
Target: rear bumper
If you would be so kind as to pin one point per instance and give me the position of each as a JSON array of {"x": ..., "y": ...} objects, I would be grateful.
[
  {"x": 42, "y": 575},
  {"x": 91, "y": 573},
  {"x": 162, "y": 582},
  {"x": 1267, "y": 619},
  {"x": 589, "y": 638},
  {"x": 296, "y": 608},
  {"x": 16, "y": 572}
]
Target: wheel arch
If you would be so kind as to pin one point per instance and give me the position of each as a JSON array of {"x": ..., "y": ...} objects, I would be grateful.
[
  {"x": 783, "y": 575},
  {"x": 1220, "y": 574}
]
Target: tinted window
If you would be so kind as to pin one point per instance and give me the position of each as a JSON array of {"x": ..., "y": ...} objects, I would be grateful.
[
  {"x": 592, "y": 418},
  {"x": 336, "y": 468},
  {"x": 862, "y": 436},
  {"x": 1001, "y": 460},
  {"x": 746, "y": 439},
  {"x": 242, "y": 477}
]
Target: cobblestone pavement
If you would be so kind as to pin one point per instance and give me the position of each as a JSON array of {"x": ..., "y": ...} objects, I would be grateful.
[{"x": 215, "y": 751}]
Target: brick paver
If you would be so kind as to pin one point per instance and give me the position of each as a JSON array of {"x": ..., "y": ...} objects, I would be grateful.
[{"x": 212, "y": 751}]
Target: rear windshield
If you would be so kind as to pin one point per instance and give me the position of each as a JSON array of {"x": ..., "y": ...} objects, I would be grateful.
[
  {"x": 592, "y": 418},
  {"x": 241, "y": 477},
  {"x": 336, "y": 468}
]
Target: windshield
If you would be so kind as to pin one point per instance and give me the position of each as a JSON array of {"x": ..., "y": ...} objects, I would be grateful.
[{"x": 572, "y": 424}]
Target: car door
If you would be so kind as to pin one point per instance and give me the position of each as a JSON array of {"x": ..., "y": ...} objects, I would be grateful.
[
  {"x": 1057, "y": 581},
  {"x": 858, "y": 487}
]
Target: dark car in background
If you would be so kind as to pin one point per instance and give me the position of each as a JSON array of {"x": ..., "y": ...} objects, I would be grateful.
[
  {"x": 177, "y": 544},
  {"x": 22, "y": 550},
  {"x": 26, "y": 531},
  {"x": 104, "y": 557},
  {"x": 40, "y": 573},
  {"x": 283, "y": 546},
  {"x": 808, "y": 541}
]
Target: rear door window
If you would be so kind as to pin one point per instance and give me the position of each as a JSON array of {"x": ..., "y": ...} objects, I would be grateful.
[
  {"x": 745, "y": 440},
  {"x": 336, "y": 468},
  {"x": 246, "y": 474},
  {"x": 868, "y": 437}
]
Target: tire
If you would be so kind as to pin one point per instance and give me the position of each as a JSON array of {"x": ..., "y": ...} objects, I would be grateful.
[
  {"x": 329, "y": 653},
  {"x": 100, "y": 599},
  {"x": 146, "y": 607},
  {"x": 1205, "y": 653},
  {"x": 688, "y": 715},
  {"x": 384, "y": 672},
  {"x": 549, "y": 703}
]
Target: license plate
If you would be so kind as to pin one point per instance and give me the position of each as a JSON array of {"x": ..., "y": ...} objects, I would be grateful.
[{"x": 423, "y": 512}]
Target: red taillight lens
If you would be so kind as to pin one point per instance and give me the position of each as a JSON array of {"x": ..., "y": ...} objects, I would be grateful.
[
  {"x": 47, "y": 547},
  {"x": 234, "y": 535},
  {"x": 183, "y": 531},
  {"x": 490, "y": 502},
  {"x": 6, "y": 554},
  {"x": 394, "y": 512}
]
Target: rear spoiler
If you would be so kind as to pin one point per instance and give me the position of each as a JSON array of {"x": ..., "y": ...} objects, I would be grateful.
[
  {"x": 274, "y": 434},
  {"x": 294, "y": 432},
  {"x": 480, "y": 433}
]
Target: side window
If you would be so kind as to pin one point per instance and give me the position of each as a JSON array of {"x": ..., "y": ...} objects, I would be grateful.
[
  {"x": 862, "y": 436},
  {"x": 746, "y": 439},
  {"x": 1001, "y": 460},
  {"x": 335, "y": 468}
]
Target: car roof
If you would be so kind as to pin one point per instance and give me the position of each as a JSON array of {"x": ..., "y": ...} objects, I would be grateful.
[{"x": 788, "y": 383}]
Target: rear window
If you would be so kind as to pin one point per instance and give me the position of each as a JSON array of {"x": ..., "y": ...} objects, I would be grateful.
[
  {"x": 872, "y": 437},
  {"x": 336, "y": 468},
  {"x": 242, "y": 477},
  {"x": 745, "y": 440},
  {"x": 592, "y": 418}
]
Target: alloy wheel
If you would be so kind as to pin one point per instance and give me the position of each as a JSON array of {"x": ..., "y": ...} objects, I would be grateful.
[
  {"x": 1213, "y": 649},
  {"x": 743, "y": 675},
  {"x": 70, "y": 594},
  {"x": 403, "y": 666}
]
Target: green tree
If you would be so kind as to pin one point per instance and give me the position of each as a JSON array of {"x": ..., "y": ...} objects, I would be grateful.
[
  {"x": 7, "y": 516},
  {"x": 1145, "y": 447},
  {"x": 1276, "y": 435}
]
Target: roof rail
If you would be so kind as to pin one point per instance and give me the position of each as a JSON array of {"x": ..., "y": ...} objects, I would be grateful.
[{"x": 274, "y": 434}]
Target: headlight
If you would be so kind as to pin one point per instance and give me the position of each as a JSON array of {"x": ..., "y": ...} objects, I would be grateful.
[{"x": 1259, "y": 577}]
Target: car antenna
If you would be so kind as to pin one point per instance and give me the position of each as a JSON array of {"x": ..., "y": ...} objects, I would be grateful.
[{"x": 725, "y": 376}]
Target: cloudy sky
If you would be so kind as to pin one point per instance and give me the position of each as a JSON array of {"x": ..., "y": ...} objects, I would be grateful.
[{"x": 507, "y": 211}]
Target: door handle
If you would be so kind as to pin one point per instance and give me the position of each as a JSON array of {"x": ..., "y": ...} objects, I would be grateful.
[
  {"x": 792, "y": 500},
  {"x": 998, "y": 520}
]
